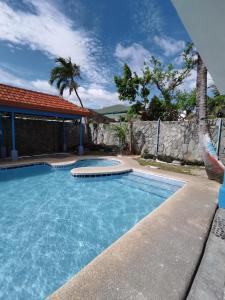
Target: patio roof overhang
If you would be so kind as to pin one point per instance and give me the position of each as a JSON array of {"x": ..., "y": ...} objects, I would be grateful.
[
  {"x": 9, "y": 109},
  {"x": 15, "y": 100}
]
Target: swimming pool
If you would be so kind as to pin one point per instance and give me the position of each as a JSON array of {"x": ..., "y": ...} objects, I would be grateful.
[
  {"x": 100, "y": 162},
  {"x": 52, "y": 224}
]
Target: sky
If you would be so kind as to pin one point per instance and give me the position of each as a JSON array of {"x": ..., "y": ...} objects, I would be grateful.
[{"x": 99, "y": 35}]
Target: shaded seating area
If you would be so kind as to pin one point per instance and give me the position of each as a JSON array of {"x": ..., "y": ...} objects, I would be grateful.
[{"x": 22, "y": 111}]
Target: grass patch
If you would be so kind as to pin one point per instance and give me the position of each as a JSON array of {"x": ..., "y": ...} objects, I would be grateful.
[{"x": 190, "y": 170}]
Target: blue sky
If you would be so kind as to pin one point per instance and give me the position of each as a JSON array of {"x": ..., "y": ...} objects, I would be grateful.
[{"x": 99, "y": 35}]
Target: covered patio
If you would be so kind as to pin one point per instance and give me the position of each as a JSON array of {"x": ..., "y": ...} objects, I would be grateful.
[{"x": 21, "y": 104}]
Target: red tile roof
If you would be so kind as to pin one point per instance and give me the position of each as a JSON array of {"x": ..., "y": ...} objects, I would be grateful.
[{"x": 27, "y": 99}]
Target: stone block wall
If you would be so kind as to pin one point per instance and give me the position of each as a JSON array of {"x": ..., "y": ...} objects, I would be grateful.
[
  {"x": 40, "y": 136},
  {"x": 178, "y": 139}
]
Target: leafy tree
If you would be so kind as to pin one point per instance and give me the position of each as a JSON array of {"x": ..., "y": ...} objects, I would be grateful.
[
  {"x": 216, "y": 104},
  {"x": 156, "y": 109},
  {"x": 186, "y": 102},
  {"x": 66, "y": 74},
  {"x": 127, "y": 85},
  {"x": 166, "y": 80},
  {"x": 133, "y": 88},
  {"x": 134, "y": 111}
]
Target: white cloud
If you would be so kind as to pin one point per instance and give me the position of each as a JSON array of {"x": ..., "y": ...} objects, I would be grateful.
[
  {"x": 169, "y": 46},
  {"x": 147, "y": 16},
  {"x": 7, "y": 77},
  {"x": 178, "y": 61},
  {"x": 190, "y": 82},
  {"x": 42, "y": 86},
  {"x": 49, "y": 31},
  {"x": 134, "y": 55},
  {"x": 93, "y": 96},
  {"x": 96, "y": 96}
]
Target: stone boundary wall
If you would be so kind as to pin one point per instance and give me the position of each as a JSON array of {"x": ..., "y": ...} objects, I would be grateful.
[
  {"x": 40, "y": 136},
  {"x": 178, "y": 139}
]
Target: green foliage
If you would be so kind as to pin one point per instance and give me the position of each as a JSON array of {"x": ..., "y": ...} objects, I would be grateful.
[
  {"x": 120, "y": 132},
  {"x": 131, "y": 87},
  {"x": 135, "y": 108},
  {"x": 65, "y": 75},
  {"x": 216, "y": 103},
  {"x": 216, "y": 106},
  {"x": 134, "y": 111},
  {"x": 186, "y": 102},
  {"x": 155, "y": 110},
  {"x": 167, "y": 79},
  {"x": 127, "y": 85},
  {"x": 169, "y": 102},
  {"x": 164, "y": 80}
]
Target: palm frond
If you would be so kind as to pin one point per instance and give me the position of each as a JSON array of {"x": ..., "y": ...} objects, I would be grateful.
[
  {"x": 63, "y": 61},
  {"x": 59, "y": 82},
  {"x": 62, "y": 88},
  {"x": 55, "y": 74},
  {"x": 65, "y": 75}
]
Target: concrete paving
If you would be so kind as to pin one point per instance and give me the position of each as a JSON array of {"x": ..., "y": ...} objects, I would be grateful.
[
  {"x": 158, "y": 257},
  {"x": 209, "y": 283}
]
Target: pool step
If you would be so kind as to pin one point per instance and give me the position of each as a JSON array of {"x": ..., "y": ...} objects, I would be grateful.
[
  {"x": 157, "y": 191},
  {"x": 152, "y": 183},
  {"x": 159, "y": 179}
]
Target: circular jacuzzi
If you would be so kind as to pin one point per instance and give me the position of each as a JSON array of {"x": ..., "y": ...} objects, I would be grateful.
[
  {"x": 98, "y": 162},
  {"x": 94, "y": 167}
]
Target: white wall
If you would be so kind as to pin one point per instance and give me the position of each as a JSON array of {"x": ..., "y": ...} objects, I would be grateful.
[{"x": 205, "y": 23}]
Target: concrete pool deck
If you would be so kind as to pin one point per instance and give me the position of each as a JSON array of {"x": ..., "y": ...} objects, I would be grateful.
[{"x": 158, "y": 257}]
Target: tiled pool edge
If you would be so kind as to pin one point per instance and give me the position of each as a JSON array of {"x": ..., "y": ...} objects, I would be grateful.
[
  {"x": 56, "y": 165},
  {"x": 94, "y": 280},
  {"x": 24, "y": 166}
]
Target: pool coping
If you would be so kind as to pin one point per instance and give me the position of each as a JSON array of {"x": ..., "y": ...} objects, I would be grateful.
[
  {"x": 165, "y": 246},
  {"x": 122, "y": 168}
]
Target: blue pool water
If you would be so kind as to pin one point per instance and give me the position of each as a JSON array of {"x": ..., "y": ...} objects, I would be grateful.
[
  {"x": 96, "y": 163},
  {"x": 52, "y": 224}
]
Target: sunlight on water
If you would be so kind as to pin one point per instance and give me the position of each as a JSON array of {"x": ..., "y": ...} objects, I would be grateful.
[{"x": 52, "y": 224}]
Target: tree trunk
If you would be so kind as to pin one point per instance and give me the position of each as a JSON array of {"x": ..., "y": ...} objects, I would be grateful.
[
  {"x": 78, "y": 97},
  {"x": 214, "y": 168},
  {"x": 86, "y": 122},
  {"x": 201, "y": 97}
]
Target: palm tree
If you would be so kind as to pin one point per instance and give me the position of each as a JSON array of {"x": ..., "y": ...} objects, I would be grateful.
[
  {"x": 214, "y": 167},
  {"x": 65, "y": 74}
]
